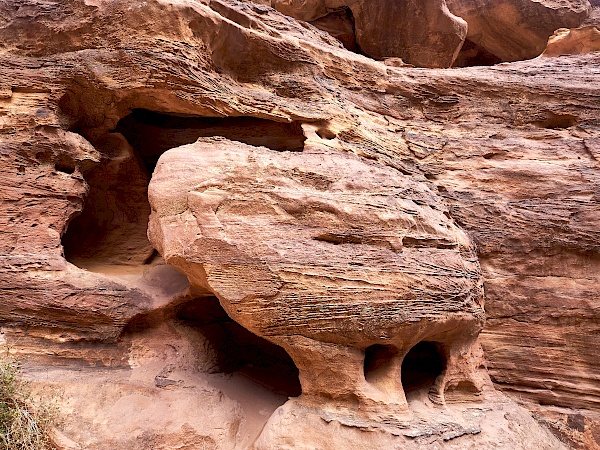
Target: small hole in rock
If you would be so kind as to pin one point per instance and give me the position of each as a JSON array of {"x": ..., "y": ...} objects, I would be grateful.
[
  {"x": 556, "y": 121},
  {"x": 325, "y": 133},
  {"x": 64, "y": 167},
  {"x": 492, "y": 155},
  {"x": 421, "y": 366},
  {"x": 379, "y": 367}
]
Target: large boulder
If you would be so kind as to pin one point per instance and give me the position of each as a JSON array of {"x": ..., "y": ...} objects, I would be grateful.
[
  {"x": 338, "y": 260},
  {"x": 573, "y": 42},
  {"x": 422, "y": 33}
]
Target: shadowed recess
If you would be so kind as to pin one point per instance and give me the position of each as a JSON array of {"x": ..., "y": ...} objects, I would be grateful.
[
  {"x": 340, "y": 25},
  {"x": 153, "y": 133},
  {"x": 421, "y": 366},
  {"x": 472, "y": 55},
  {"x": 111, "y": 230},
  {"x": 237, "y": 350},
  {"x": 379, "y": 368}
]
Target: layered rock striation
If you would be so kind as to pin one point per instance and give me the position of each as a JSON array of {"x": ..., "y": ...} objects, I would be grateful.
[
  {"x": 343, "y": 208},
  {"x": 338, "y": 260}
]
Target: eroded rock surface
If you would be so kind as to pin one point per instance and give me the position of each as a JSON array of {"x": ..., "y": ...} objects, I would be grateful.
[
  {"x": 573, "y": 42},
  {"x": 513, "y": 30},
  {"x": 425, "y": 33},
  {"x": 94, "y": 92},
  {"x": 327, "y": 256}
]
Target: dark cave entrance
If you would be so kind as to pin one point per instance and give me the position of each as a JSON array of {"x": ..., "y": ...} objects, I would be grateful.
[
  {"x": 415, "y": 374},
  {"x": 225, "y": 347},
  {"x": 109, "y": 236},
  {"x": 472, "y": 55},
  {"x": 111, "y": 230},
  {"x": 151, "y": 133},
  {"x": 421, "y": 366}
]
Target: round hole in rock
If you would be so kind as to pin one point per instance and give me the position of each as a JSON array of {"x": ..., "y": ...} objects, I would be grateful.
[
  {"x": 326, "y": 133},
  {"x": 421, "y": 366}
]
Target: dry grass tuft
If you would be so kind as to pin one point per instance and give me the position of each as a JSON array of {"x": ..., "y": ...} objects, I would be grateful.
[{"x": 25, "y": 424}]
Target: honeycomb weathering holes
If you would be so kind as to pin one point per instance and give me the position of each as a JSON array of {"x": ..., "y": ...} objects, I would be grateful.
[{"x": 419, "y": 368}]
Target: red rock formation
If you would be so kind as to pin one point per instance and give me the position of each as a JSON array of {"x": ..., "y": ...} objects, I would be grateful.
[
  {"x": 573, "y": 42},
  {"x": 422, "y": 33},
  {"x": 513, "y": 30},
  {"x": 330, "y": 257},
  {"x": 92, "y": 92}
]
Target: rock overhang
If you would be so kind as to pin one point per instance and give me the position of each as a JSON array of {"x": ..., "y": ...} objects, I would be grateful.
[{"x": 324, "y": 253}]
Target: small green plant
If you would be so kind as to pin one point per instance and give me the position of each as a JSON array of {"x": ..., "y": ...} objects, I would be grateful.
[{"x": 25, "y": 423}]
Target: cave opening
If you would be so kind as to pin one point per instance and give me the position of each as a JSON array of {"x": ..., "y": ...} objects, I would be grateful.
[
  {"x": 239, "y": 351},
  {"x": 151, "y": 133},
  {"x": 111, "y": 230},
  {"x": 472, "y": 55},
  {"x": 421, "y": 366}
]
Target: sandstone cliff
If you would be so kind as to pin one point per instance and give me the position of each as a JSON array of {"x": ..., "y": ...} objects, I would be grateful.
[{"x": 211, "y": 206}]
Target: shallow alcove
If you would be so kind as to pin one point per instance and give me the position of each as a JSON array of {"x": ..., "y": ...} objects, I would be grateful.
[
  {"x": 152, "y": 133},
  {"x": 421, "y": 366},
  {"x": 192, "y": 347},
  {"x": 340, "y": 25},
  {"x": 551, "y": 120},
  {"x": 237, "y": 350},
  {"x": 111, "y": 229},
  {"x": 380, "y": 369},
  {"x": 472, "y": 55}
]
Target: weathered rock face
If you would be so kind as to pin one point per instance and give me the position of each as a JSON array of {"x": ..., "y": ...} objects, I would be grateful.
[
  {"x": 594, "y": 17},
  {"x": 573, "y": 42},
  {"x": 528, "y": 291},
  {"x": 513, "y": 30},
  {"x": 425, "y": 34},
  {"x": 498, "y": 164},
  {"x": 422, "y": 33},
  {"x": 336, "y": 259}
]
